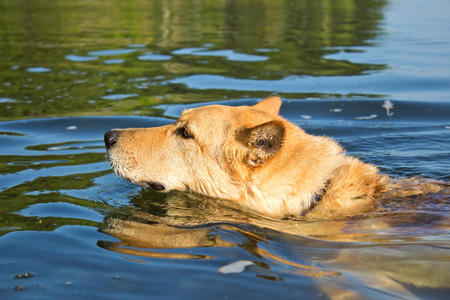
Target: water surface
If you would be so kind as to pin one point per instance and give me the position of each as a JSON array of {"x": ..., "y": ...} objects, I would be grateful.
[{"x": 374, "y": 75}]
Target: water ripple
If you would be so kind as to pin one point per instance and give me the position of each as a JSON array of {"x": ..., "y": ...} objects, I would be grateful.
[
  {"x": 111, "y": 52},
  {"x": 38, "y": 70},
  {"x": 227, "y": 53},
  {"x": 155, "y": 57},
  {"x": 78, "y": 58},
  {"x": 6, "y": 100},
  {"x": 118, "y": 96}
]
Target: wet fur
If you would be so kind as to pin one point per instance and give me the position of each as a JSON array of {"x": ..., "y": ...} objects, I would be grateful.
[{"x": 252, "y": 156}]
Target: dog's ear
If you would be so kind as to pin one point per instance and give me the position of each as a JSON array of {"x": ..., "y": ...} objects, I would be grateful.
[
  {"x": 264, "y": 141},
  {"x": 270, "y": 105}
]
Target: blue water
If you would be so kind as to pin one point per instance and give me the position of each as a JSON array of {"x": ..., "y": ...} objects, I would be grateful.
[{"x": 374, "y": 76}]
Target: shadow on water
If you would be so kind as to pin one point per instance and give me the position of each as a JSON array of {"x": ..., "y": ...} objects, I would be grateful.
[{"x": 354, "y": 70}]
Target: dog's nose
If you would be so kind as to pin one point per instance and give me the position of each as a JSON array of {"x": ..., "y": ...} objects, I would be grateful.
[{"x": 111, "y": 137}]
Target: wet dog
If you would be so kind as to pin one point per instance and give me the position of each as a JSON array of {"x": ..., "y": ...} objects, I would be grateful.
[{"x": 249, "y": 155}]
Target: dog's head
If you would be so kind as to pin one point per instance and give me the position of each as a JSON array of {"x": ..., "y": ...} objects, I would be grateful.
[{"x": 210, "y": 150}]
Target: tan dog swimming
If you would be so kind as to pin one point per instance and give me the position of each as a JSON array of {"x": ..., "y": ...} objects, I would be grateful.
[{"x": 249, "y": 155}]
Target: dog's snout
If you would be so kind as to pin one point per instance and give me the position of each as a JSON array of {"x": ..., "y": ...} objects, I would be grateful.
[{"x": 111, "y": 137}]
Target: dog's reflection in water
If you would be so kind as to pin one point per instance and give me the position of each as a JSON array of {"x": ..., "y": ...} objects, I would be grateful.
[{"x": 380, "y": 249}]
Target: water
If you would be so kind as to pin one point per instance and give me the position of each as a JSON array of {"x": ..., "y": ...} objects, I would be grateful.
[{"x": 70, "y": 70}]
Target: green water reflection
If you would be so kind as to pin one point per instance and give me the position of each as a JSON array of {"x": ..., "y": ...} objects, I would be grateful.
[{"x": 50, "y": 66}]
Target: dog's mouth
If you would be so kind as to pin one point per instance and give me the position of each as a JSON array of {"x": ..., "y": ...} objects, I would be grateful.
[
  {"x": 123, "y": 172},
  {"x": 156, "y": 186}
]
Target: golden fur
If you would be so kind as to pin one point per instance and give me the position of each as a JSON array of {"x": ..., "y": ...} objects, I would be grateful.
[{"x": 252, "y": 156}]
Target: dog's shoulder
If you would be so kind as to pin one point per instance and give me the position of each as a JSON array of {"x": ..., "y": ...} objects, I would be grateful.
[{"x": 354, "y": 188}]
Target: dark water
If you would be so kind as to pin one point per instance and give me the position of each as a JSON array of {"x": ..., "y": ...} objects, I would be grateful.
[{"x": 69, "y": 70}]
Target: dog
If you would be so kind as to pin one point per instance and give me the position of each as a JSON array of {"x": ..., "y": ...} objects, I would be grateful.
[
  {"x": 247, "y": 165},
  {"x": 249, "y": 155}
]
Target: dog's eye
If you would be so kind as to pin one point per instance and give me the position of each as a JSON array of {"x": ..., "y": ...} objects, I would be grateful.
[
  {"x": 262, "y": 143},
  {"x": 184, "y": 133}
]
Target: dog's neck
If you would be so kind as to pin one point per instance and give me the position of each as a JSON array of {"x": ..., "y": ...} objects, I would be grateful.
[{"x": 297, "y": 188}]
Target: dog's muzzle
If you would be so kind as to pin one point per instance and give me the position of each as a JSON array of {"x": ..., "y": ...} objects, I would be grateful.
[{"x": 111, "y": 137}]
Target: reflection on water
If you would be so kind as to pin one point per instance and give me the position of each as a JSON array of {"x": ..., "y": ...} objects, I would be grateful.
[
  {"x": 388, "y": 250},
  {"x": 72, "y": 55},
  {"x": 372, "y": 74},
  {"x": 55, "y": 180},
  {"x": 69, "y": 61}
]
